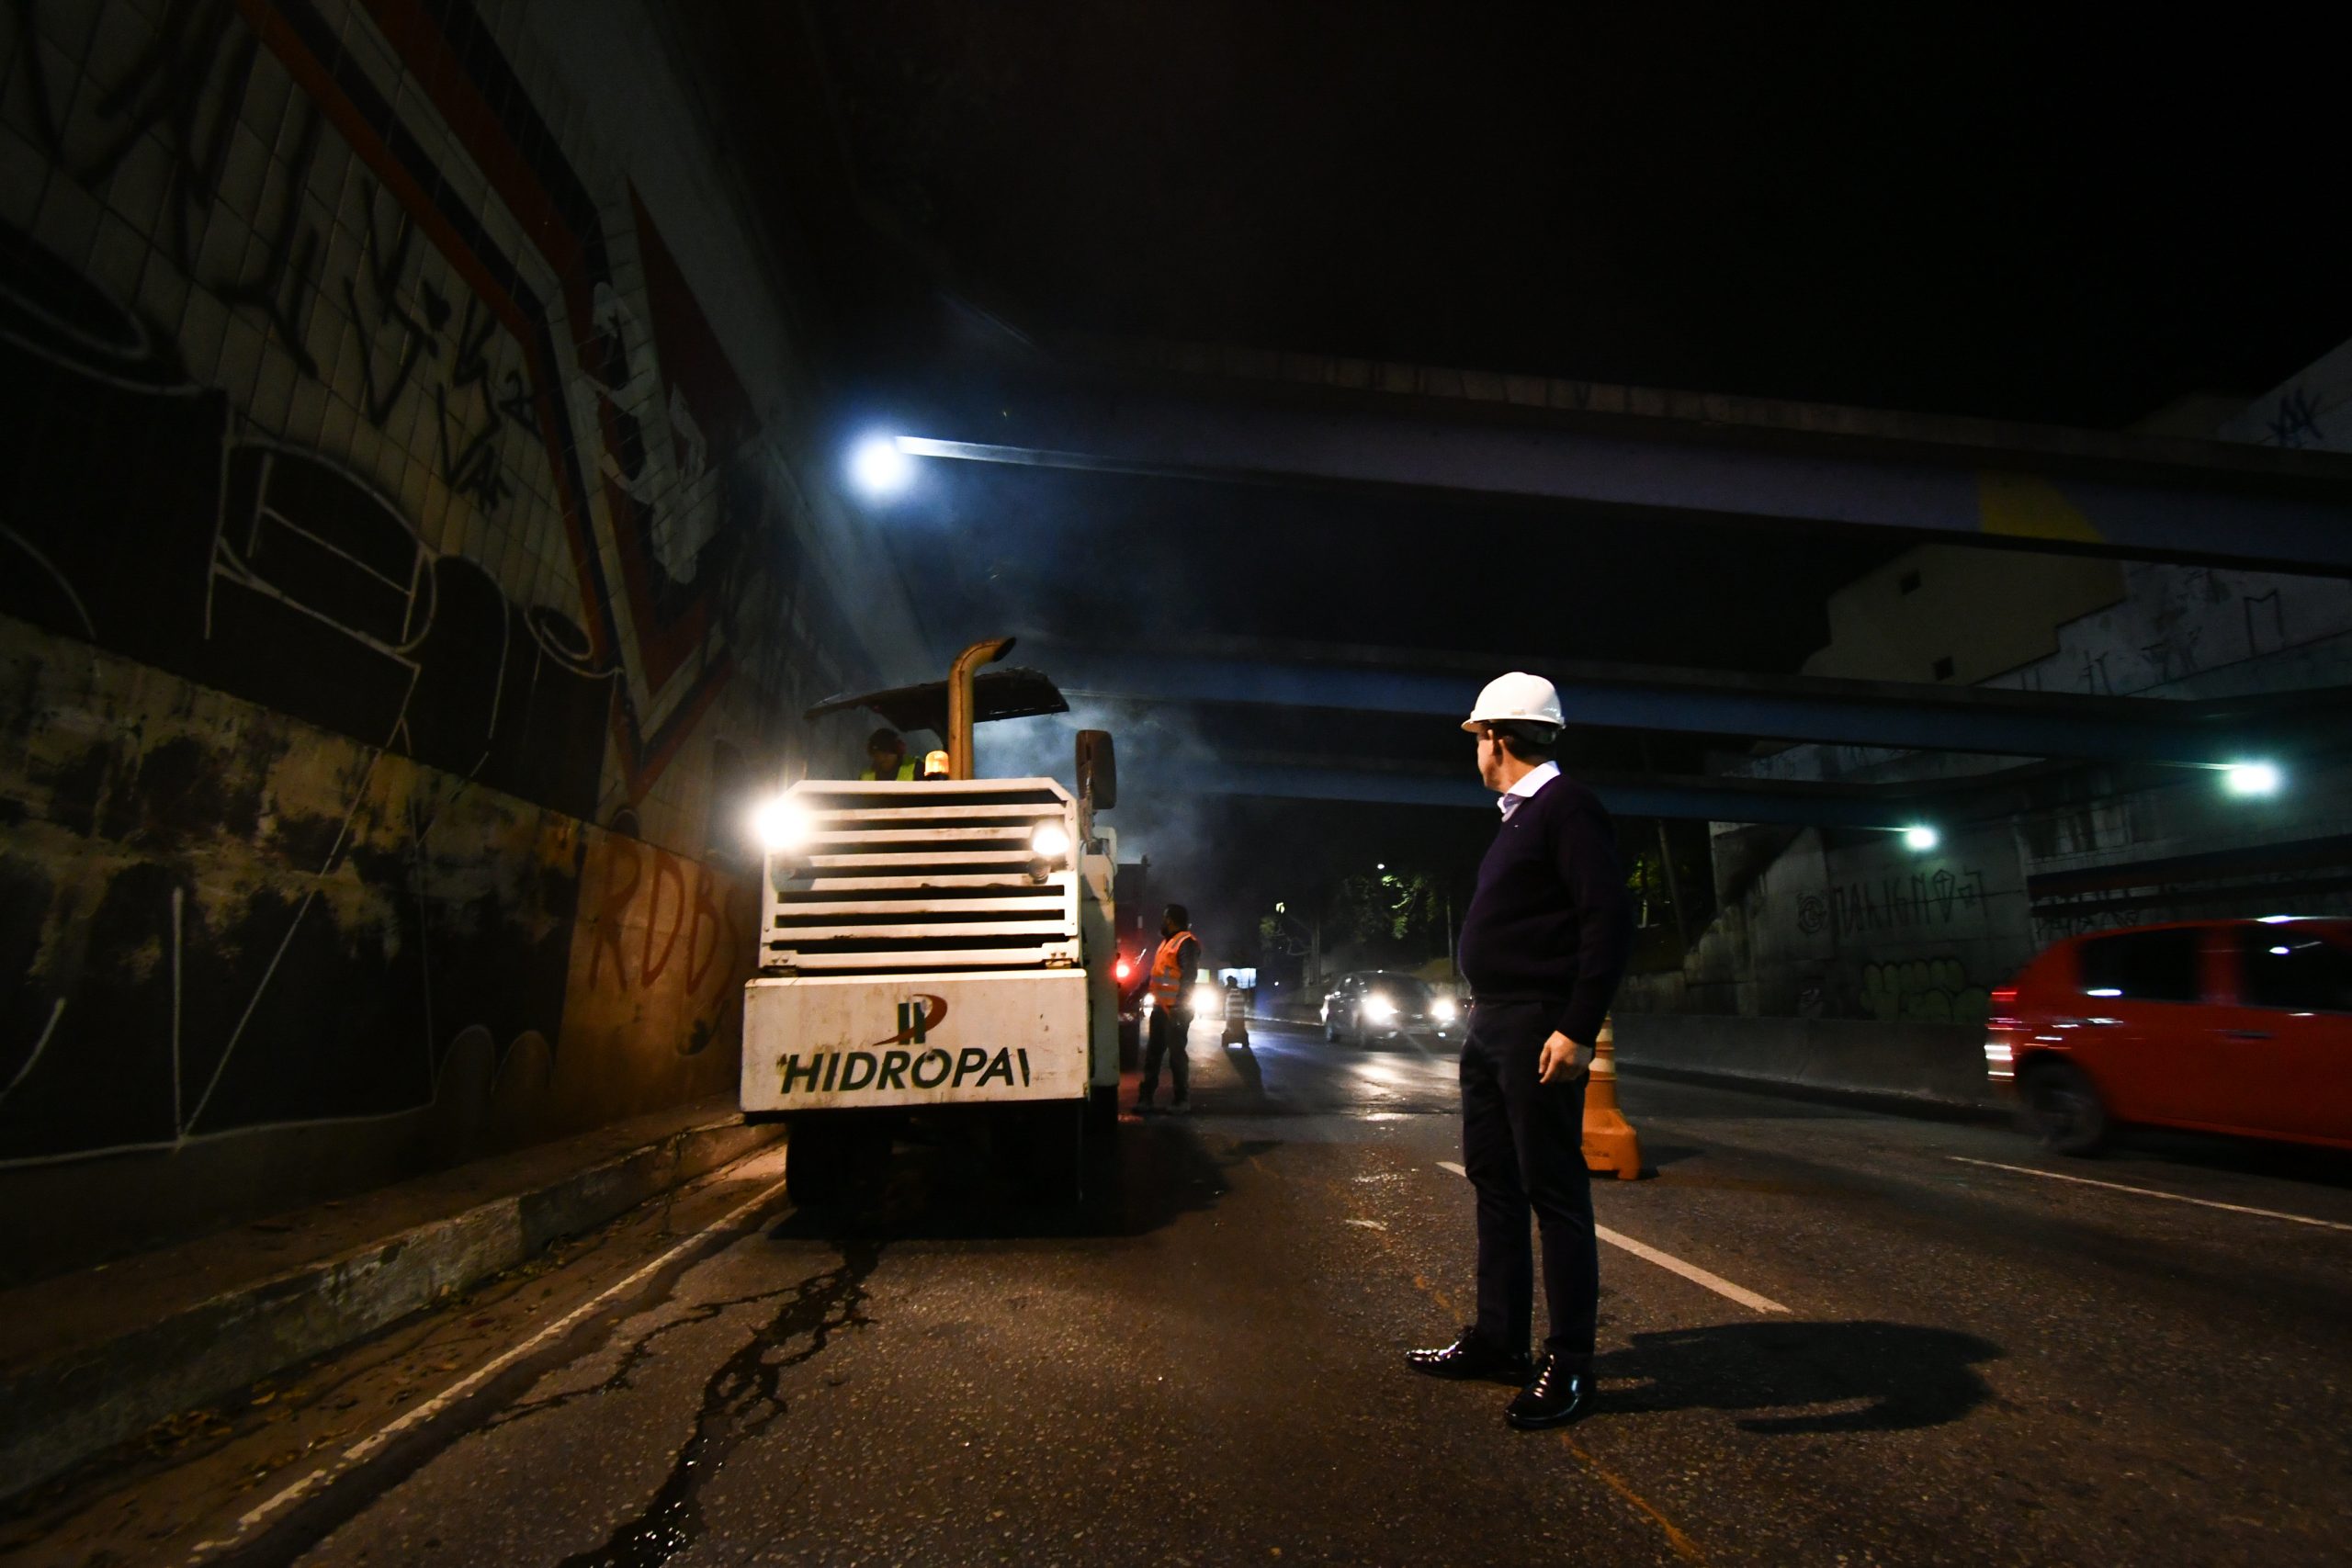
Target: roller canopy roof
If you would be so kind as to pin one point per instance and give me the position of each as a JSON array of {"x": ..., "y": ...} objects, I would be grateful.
[{"x": 995, "y": 693}]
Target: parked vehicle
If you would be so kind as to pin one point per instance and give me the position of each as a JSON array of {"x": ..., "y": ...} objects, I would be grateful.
[
  {"x": 1374, "y": 1003},
  {"x": 2223, "y": 1026}
]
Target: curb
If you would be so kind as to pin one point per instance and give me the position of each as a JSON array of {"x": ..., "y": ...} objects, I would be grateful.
[
  {"x": 63, "y": 1410},
  {"x": 1898, "y": 1102}
]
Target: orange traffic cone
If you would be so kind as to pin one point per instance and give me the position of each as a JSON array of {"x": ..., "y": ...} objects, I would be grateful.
[{"x": 1609, "y": 1140}]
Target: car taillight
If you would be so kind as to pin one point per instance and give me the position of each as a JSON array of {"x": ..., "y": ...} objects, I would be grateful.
[
  {"x": 1125, "y": 969},
  {"x": 2003, "y": 1009}
]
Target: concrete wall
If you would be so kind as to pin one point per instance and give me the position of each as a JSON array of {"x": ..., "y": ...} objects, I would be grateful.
[
  {"x": 1852, "y": 925},
  {"x": 415, "y": 556},
  {"x": 1946, "y": 613},
  {"x": 1934, "y": 1064}
]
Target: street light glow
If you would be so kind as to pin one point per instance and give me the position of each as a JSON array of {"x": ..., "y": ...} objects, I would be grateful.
[
  {"x": 1922, "y": 838},
  {"x": 2252, "y": 778},
  {"x": 880, "y": 466}
]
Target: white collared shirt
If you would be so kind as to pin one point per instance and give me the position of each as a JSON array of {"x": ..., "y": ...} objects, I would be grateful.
[{"x": 1535, "y": 778}]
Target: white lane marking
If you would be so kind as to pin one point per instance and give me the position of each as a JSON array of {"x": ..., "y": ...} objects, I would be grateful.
[
  {"x": 2156, "y": 1192},
  {"x": 1667, "y": 1261},
  {"x": 1689, "y": 1271},
  {"x": 367, "y": 1446}
]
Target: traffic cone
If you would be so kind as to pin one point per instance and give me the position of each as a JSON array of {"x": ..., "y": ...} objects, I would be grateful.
[{"x": 1609, "y": 1140}]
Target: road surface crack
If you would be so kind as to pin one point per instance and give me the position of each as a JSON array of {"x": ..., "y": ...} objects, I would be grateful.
[{"x": 739, "y": 1400}]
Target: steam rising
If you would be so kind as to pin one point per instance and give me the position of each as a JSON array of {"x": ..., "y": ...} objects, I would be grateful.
[{"x": 1158, "y": 814}]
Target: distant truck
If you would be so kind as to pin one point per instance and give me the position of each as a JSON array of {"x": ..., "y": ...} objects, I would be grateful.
[{"x": 939, "y": 946}]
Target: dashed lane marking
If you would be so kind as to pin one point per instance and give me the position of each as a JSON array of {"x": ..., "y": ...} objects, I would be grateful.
[
  {"x": 1672, "y": 1264},
  {"x": 368, "y": 1446},
  {"x": 2157, "y": 1193}
]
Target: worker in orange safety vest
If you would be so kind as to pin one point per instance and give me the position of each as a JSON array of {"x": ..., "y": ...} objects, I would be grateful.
[{"x": 1174, "y": 968}]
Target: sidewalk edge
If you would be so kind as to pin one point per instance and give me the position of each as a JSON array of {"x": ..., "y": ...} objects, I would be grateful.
[
  {"x": 1898, "y": 1102},
  {"x": 66, "y": 1409}
]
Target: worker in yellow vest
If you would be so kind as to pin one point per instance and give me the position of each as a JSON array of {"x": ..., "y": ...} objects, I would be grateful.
[
  {"x": 885, "y": 757},
  {"x": 1174, "y": 968}
]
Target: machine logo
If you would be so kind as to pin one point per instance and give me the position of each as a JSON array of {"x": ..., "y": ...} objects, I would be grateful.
[{"x": 918, "y": 1016}]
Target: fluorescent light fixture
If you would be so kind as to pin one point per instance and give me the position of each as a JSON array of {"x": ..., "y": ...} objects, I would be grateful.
[
  {"x": 2104, "y": 991},
  {"x": 2252, "y": 778},
  {"x": 879, "y": 465}
]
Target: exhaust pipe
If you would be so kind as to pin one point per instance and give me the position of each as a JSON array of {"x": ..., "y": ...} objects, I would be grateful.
[{"x": 959, "y": 701}]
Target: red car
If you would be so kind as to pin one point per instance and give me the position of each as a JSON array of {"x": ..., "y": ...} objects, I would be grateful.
[{"x": 2223, "y": 1026}]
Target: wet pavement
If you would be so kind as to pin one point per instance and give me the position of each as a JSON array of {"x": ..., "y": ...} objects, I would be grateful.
[{"x": 1826, "y": 1336}]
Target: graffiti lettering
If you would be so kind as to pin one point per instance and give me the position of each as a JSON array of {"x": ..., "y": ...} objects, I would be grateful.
[
  {"x": 605, "y": 935},
  {"x": 665, "y": 867},
  {"x": 1894, "y": 903},
  {"x": 2295, "y": 422},
  {"x": 700, "y": 958},
  {"x": 1928, "y": 992}
]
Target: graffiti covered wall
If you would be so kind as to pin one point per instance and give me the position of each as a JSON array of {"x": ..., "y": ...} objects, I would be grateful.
[{"x": 390, "y": 545}]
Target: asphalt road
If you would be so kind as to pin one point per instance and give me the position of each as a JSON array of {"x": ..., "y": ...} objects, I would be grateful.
[{"x": 1907, "y": 1353}]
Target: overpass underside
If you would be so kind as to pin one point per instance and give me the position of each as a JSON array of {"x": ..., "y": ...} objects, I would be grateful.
[{"x": 1569, "y": 451}]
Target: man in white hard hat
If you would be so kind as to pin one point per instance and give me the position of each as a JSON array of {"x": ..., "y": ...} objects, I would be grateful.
[{"x": 1543, "y": 945}]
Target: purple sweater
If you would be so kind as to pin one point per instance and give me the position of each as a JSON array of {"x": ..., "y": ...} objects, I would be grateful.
[{"x": 1551, "y": 920}]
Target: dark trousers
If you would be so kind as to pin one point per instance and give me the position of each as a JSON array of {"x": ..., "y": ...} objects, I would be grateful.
[
  {"x": 1168, "y": 1028},
  {"x": 1522, "y": 1148}
]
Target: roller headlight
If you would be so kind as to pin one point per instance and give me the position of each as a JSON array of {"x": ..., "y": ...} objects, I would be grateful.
[
  {"x": 780, "y": 825},
  {"x": 1050, "y": 841},
  {"x": 1443, "y": 1010},
  {"x": 1379, "y": 1008}
]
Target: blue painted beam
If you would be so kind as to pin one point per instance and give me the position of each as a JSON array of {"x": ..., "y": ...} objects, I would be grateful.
[
  {"x": 1718, "y": 458},
  {"x": 1863, "y": 713},
  {"x": 1711, "y": 800}
]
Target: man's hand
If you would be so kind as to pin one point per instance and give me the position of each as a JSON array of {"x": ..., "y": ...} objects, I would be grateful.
[{"x": 1562, "y": 1058}]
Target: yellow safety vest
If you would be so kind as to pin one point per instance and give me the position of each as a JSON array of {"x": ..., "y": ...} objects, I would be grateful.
[{"x": 906, "y": 772}]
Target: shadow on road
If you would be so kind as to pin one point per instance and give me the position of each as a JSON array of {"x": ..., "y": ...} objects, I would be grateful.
[
  {"x": 2245, "y": 1156},
  {"x": 1874, "y": 1377},
  {"x": 1244, "y": 1061},
  {"x": 946, "y": 1187}
]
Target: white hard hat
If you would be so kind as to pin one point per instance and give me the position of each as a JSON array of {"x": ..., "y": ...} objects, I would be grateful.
[{"x": 1518, "y": 697}]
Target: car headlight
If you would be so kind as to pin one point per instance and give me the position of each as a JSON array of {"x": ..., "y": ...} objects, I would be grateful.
[
  {"x": 780, "y": 825},
  {"x": 1379, "y": 1009},
  {"x": 1050, "y": 841},
  {"x": 1444, "y": 1011},
  {"x": 1207, "y": 998}
]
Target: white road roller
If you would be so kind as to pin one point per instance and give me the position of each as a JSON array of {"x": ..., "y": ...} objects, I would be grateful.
[{"x": 944, "y": 945}]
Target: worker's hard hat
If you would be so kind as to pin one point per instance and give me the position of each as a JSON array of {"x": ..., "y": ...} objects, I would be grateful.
[{"x": 1517, "y": 697}]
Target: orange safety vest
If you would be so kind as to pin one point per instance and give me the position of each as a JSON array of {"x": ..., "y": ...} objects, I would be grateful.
[{"x": 1167, "y": 971}]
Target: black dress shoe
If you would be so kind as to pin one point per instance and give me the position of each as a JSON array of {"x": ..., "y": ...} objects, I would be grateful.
[
  {"x": 1556, "y": 1397},
  {"x": 1469, "y": 1356}
]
